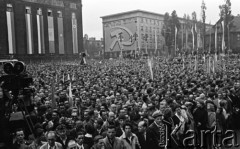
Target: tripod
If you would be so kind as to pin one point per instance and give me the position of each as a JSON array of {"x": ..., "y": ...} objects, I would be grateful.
[{"x": 20, "y": 103}]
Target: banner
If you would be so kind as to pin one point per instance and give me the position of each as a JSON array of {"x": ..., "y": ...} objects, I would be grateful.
[
  {"x": 223, "y": 38},
  {"x": 51, "y": 35},
  {"x": 156, "y": 42},
  {"x": 216, "y": 38},
  {"x": 28, "y": 18},
  {"x": 11, "y": 32},
  {"x": 74, "y": 35},
  {"x": 193, "y": 38},
  {"x": 150, "y": 67},
  {"x": 60, "y": 36},
  {"x": 40, "y": 31}
]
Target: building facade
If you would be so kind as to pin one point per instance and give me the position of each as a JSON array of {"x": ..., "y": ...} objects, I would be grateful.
[
  {"x": 133, "y": 31},
  {"x": 41, "y": 28},
  {"x": 141, "y": 31},
  {"x": 93, "y": 48},
  {"x": 231, "y": 36}
]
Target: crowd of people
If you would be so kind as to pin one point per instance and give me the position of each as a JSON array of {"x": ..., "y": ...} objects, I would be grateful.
[{"x": 114, "y": 104}]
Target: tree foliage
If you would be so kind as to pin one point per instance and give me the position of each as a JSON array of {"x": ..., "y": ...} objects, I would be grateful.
[
  {"x": 168, "y": 30},
  {"x": 226, "y": 16},
  {"x": 203, "y": 13}
]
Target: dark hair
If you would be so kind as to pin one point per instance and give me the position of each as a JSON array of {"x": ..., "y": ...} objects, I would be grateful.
[
  {"x": 102, "y": 112},
  {"x": 61, "y": 127},
  {"x": 111, "y": 127},
  {"x": 127, "y": 124},
  {"x": 89, "y": 129},
  {"x": 100, "y": 121}
]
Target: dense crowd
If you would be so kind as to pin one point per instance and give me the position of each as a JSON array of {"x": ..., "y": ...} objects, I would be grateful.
[{"x": 114, "y": 104}]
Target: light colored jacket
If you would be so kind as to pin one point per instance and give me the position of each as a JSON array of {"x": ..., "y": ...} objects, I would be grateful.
[
  {"x": 46, "y": 146},
  {"x": 132, "y": 144},
  {"x": 118, "y": 144}
]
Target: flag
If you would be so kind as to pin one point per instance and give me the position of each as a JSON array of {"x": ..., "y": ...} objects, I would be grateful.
[
  {"x": 176, "y": 30},
  {"x": 210, "y": 43},
  {"x": 195, "y": 63},
  {"x": 216, "y": 38},
  {"x": 70, "y": 95},
  {"x": 193, "y": 37},
  {"x": 54, "y": 104},
  {"x": 150, "y": 67},
  {"x": 223, "y": 39},
  {"x": 156, "y": 42},
  {"x": 186, "y": 38}
]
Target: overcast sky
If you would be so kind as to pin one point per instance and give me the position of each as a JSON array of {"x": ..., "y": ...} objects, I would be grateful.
[{"x": 94, "y": 9}]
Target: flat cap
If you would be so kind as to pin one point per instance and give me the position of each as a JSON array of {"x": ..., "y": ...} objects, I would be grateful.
[{"x": 157, "y": 114}]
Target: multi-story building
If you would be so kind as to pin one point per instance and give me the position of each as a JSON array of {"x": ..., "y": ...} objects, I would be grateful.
[
  {"x": 139, "y": 31},
  {"x": 40, "y": 28},
  {"x": 93, "y": 48},
  {"x": 132, "y": 31},
  {"x": 231, "y": 36}
]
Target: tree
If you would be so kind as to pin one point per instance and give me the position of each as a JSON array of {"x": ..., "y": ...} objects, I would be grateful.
[
  {"x": 166, "y": 30},
  {"x": 227, "y": 17},
  {"x": 203, "y": 7}
]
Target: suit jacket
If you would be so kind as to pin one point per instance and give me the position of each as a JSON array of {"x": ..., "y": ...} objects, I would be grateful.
[
  {"x": 142, "y": 141},
  {"x": 117, "y": 144},
  {"x": 64, "y": 146},
  {"x": 153, "y": 136},
  {"x": 46, "y": 145}
]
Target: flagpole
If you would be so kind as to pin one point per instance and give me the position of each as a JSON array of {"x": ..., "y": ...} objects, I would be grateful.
[{"x": 175, "y": 40}]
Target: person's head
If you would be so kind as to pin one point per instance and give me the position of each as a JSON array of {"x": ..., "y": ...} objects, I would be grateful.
[
  {"x": 89, "y": 128},
  {"x": 98, "y": 123},
  {"x": 111, "y": 131},
  {"x": 163, "y": 105},
  {"x": 113, "y": 108},
  {"x": 158, "y": 116},
  {"x": 111, "y": 116},
  {"x": 103, "y": 115},
  {"x": 142, "y": 126},
  {"x": 47, "y": 103},
  {"x": 19, "y": 135},
  {"x": 127, "y": 127},
  {"x": 121, "y": 119},
  {"x": 61, "y": 131},
  {"x": 80, "y": 138},
  {"x": 51, "y": 138},
  {"x": 98, "y": 141},
  {"x": 72, "y": 144},
  {"x": 86, "y": 115},
  {"x": 55, "y": 115}
]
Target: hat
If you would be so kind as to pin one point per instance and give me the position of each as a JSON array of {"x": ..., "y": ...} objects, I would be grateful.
[
  {"x": 98, "y": 137},
  {"x": 157, "y": 114}
]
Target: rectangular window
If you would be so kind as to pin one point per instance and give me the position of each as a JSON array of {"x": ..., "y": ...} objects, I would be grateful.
[
  {"x": 73, "y": 5},
  {"x": 28, "y": 10},
  {"x": 238, "y": 36},
  {"x": 9, "y": 8},
  {"x": 50, "y": 14},
  {"x": 59, "y": 14}
]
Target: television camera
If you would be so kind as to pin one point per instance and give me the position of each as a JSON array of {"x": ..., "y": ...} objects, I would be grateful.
[{"x": 15, "y": 86}]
